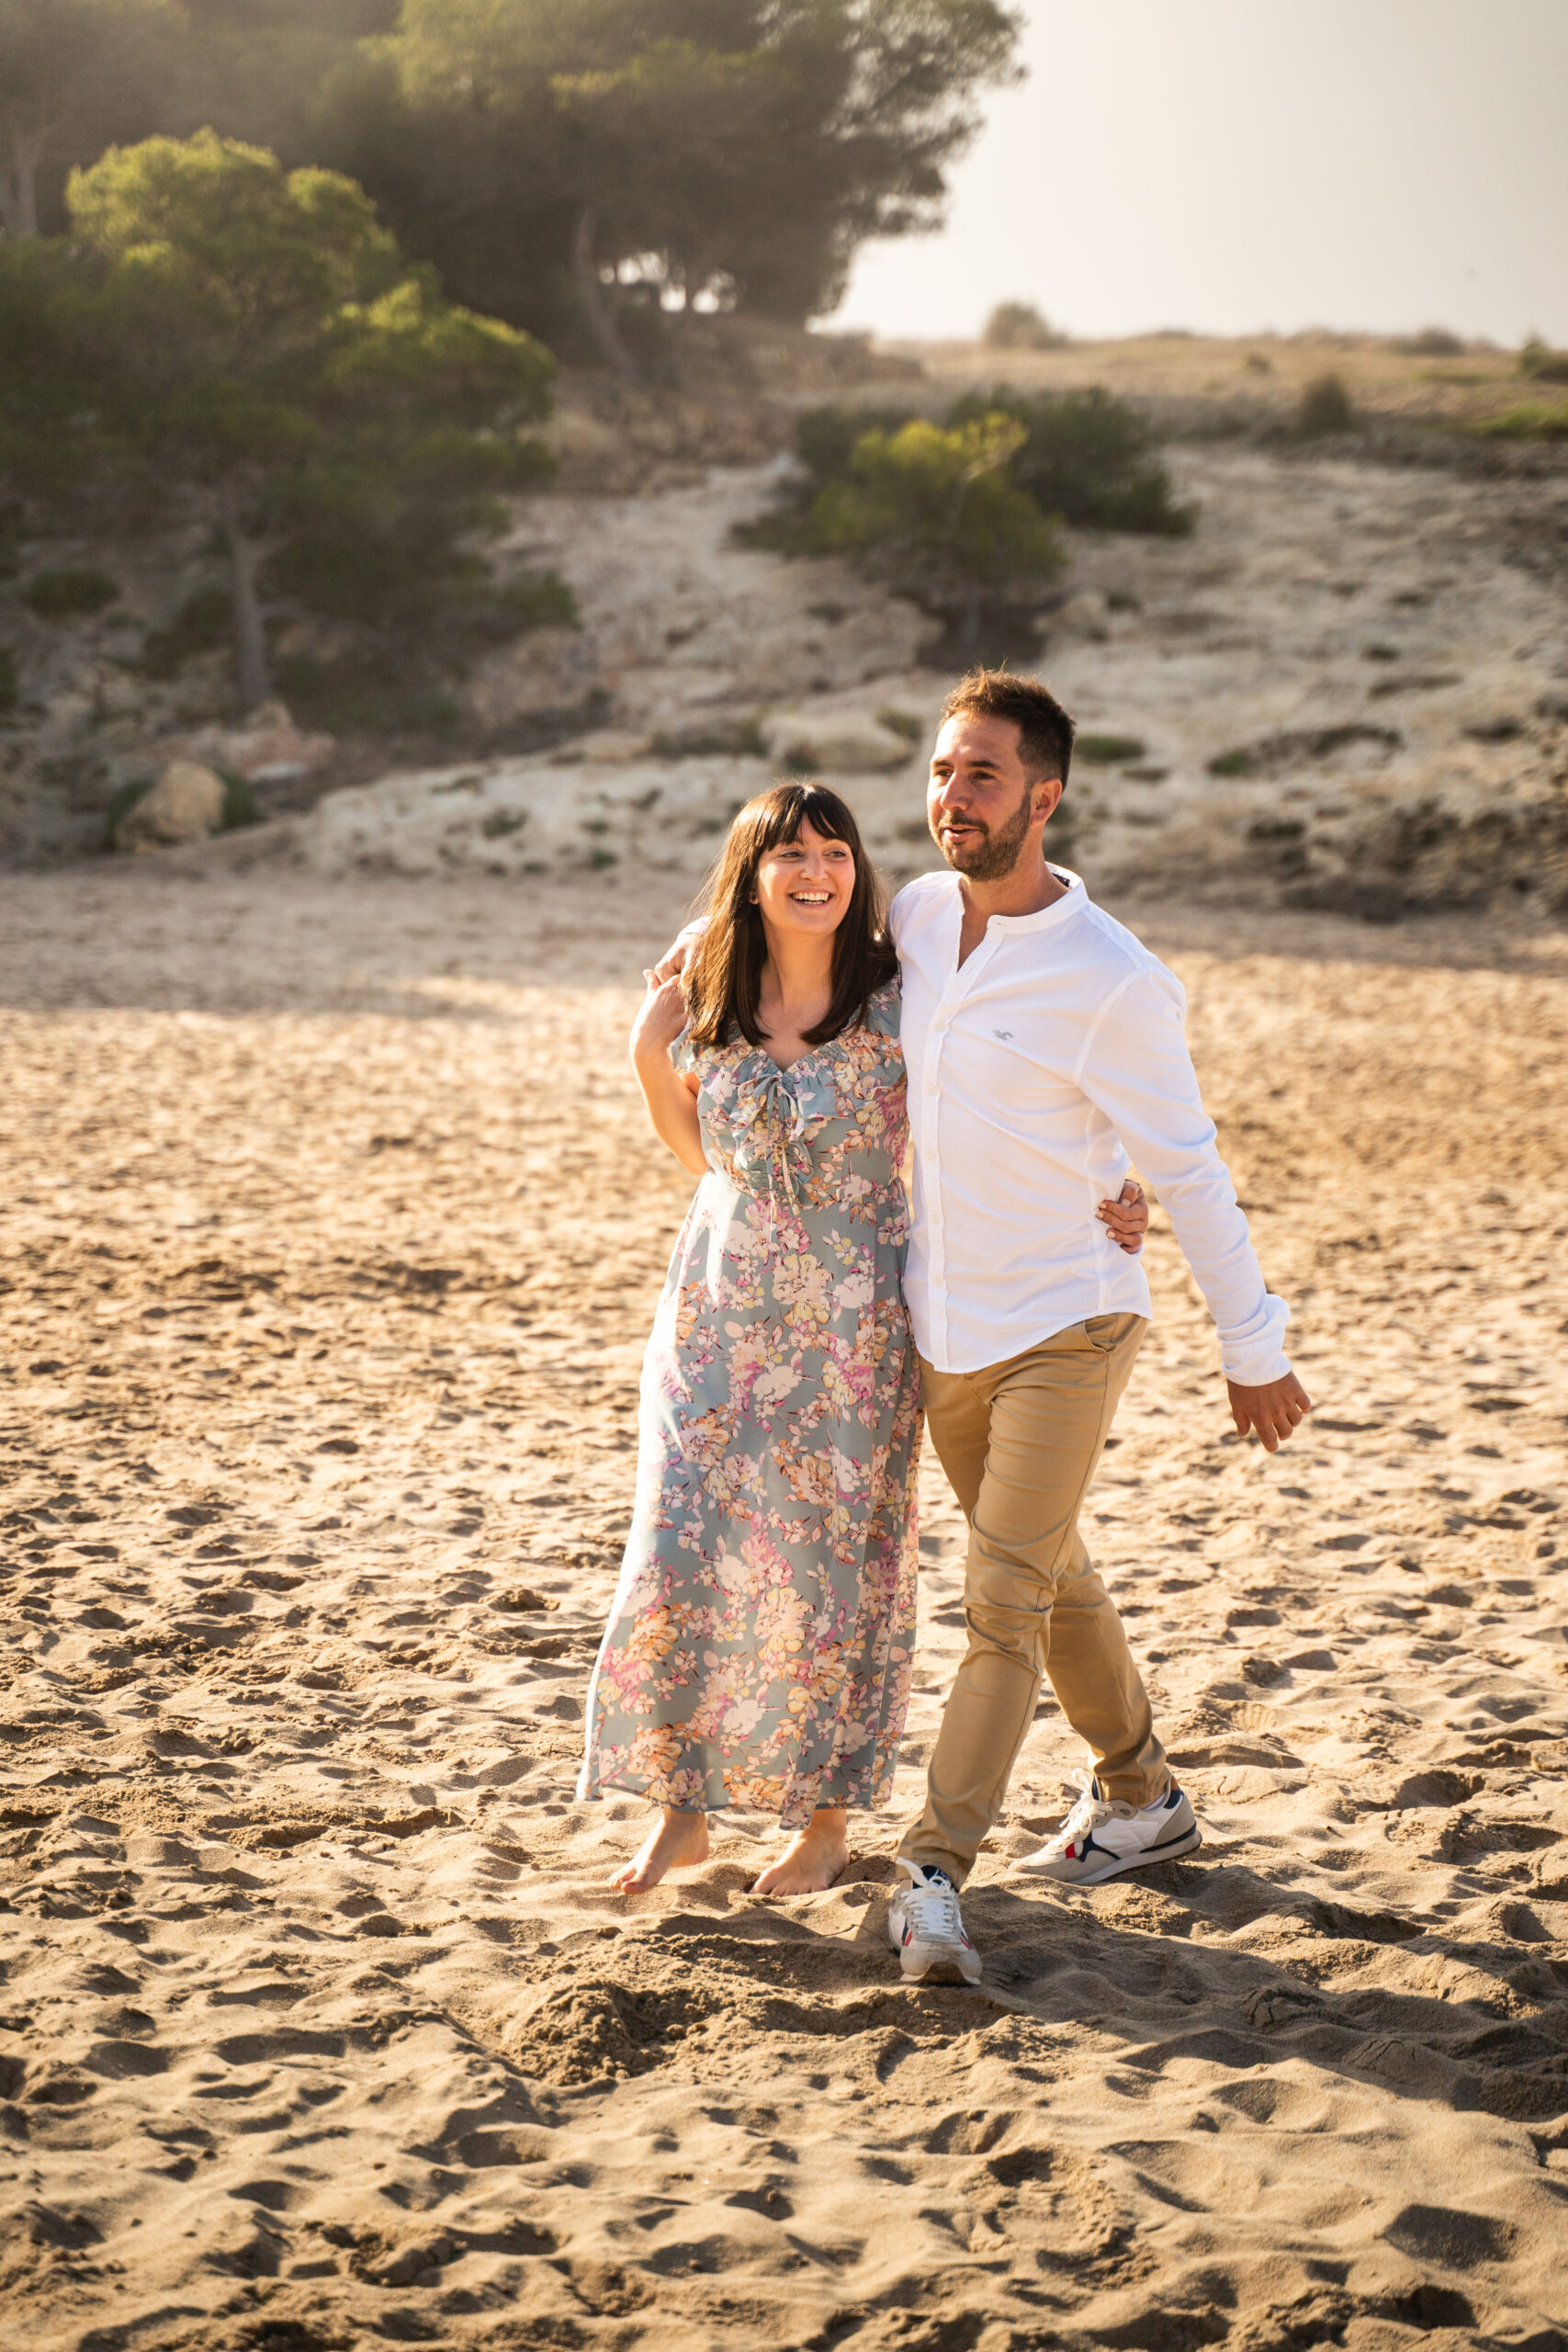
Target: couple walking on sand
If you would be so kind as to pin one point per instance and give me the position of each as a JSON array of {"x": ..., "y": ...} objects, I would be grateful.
[{"x": 760, "y": 1647}]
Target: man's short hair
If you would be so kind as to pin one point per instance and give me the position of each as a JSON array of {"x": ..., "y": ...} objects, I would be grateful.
[{"x": 1045, "y": 731}]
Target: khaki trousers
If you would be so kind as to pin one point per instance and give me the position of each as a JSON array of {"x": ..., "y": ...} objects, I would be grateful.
[{"x": 1019, "y": 1441}]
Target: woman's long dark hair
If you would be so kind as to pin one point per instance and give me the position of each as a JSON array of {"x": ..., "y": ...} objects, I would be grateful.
[{"x": 724, "y": 975}]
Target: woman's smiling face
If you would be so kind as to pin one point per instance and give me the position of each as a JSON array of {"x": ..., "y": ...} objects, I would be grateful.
[{"x": 805, "y": 884}]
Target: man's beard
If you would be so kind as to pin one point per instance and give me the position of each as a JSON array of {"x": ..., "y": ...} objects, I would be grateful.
[{"x": 994, "y": 854}]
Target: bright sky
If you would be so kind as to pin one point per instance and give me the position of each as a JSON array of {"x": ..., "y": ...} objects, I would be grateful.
[{"x": 1235, "y": 165}]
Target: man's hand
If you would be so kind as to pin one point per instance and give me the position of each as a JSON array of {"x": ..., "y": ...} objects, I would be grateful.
[
  {"x": 1126, "y": 1219},
  {"x": 672, "y": 962},
  {"x": 660, "y": 1017},
  {"x": 1272, "y": 1410}
]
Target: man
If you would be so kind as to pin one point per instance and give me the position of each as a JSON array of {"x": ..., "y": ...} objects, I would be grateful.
[{"x": 1044, "y": 1050}]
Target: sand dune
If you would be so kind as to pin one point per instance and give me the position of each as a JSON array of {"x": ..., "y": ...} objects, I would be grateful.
[{"x": 331, "y": 1235}]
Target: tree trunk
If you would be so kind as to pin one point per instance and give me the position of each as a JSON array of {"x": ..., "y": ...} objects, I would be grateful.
[
  {"x": 18, "y": 181},
  {"x": 596, "y": 311},
  {"x": 251, "y": 674},
  {"x": 672, "y": 348}
]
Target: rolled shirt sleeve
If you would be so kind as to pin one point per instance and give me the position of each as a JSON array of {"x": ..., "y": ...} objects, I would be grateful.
[{"x": 1136, "y": 1069}]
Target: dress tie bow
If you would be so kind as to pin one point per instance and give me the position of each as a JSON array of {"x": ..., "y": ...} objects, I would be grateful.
[{"x": 778, "y": 1105}]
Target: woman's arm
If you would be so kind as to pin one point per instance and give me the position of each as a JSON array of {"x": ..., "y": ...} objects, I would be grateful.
[{"x": 670, "y": 1098}]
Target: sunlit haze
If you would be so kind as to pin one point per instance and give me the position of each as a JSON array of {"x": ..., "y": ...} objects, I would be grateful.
[{"x": 1230, "y": 167}]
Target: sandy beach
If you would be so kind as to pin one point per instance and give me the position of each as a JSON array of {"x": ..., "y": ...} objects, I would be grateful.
[{"x": 331, "y": 1233}]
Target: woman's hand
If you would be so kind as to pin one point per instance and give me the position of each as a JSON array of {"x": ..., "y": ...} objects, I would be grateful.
[
  {"x": 1126, "y": 1219},
  {"x": 671, "y": 1100},
  {"x": 660, "y": 1017}
]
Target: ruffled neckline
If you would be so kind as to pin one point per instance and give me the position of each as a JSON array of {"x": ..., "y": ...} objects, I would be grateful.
[{"x": 814, "y": 1053}]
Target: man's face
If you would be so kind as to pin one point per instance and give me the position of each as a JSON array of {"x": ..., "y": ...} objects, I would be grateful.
[{"x": 982, "y": 809}]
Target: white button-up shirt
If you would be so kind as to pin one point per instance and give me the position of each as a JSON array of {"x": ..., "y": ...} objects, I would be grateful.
[{"x": 1038, "y": 1072}]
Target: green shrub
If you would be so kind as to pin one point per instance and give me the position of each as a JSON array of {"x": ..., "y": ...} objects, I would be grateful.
[
  {"x": 1082, "y": 456},
  {"x": 1324, "y": 407},
  {"x": 71, "y": 593},
  {"x": 1532, "y": 421},
  {"x": 1020, "y": 326},
  {"x": 1413, "y": 682},
  {"x": 1431, "y": 342},
  {"x": 202, "y": 622},
  {"x": 238, "y": 800},
  {"x": 938, "y": 517},
  {"x": 10, "y": 684},
  {"x": 714, "y": 739},
  {"x": 542, "y": 600},
  {"x": 1548, "y": 367},
  {"x": 382, "y": 578},
  {"x": 1272, "y": 754},
  {"x": 406, "y": 577},
  {"x": 959, "y": 517},
  {"x": 1086, "y": 457},
  {"x": 476, "y": 612},
  {"x": 374, "y": 691},
  {"x": 902, "y": 723},
  {"x": 825, "y": 438},
  {"x": 825, "y": 441},
  {"x": 1109, "y": 750},
  {"x": 124, "y": 801}
]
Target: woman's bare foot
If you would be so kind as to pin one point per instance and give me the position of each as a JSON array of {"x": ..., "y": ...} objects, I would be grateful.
[
  {"x": 813, "y": 1857},
  {"x": 675, "y": 1841}
]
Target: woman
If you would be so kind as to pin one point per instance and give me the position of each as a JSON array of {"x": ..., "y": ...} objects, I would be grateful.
[{"x": 760, "y": 1645}]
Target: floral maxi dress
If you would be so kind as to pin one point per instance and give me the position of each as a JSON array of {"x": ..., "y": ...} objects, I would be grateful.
[{"x": 760, "y": 1645}]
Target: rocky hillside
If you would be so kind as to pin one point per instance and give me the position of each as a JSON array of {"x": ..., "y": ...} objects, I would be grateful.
[{"x": 1348, "y": 688}]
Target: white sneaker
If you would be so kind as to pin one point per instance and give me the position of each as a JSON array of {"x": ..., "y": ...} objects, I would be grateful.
[
  {"x": 925, "y": 1928},
  {"x": 1100, "y": 1837}
]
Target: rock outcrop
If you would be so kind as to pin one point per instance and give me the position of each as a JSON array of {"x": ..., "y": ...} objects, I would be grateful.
[
  {"x": 835, "y": 742},
  {"x": 264, "y": 748},
  {"x": 549, "y": 815},
  {"x": 185, "y": 805}
]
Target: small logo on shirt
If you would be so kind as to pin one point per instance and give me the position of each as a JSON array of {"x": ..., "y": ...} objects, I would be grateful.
[{"x": 1005, "y": 1034}]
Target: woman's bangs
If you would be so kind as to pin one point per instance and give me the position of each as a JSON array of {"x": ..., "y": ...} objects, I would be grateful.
[
  {"x": 796, "y": 805},
  {"x": 829, "y": 816}
]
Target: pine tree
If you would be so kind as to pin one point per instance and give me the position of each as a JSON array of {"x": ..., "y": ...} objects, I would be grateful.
[
  {"x": 72, "y": 75},
  {"x": 276, "y": 354}
]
